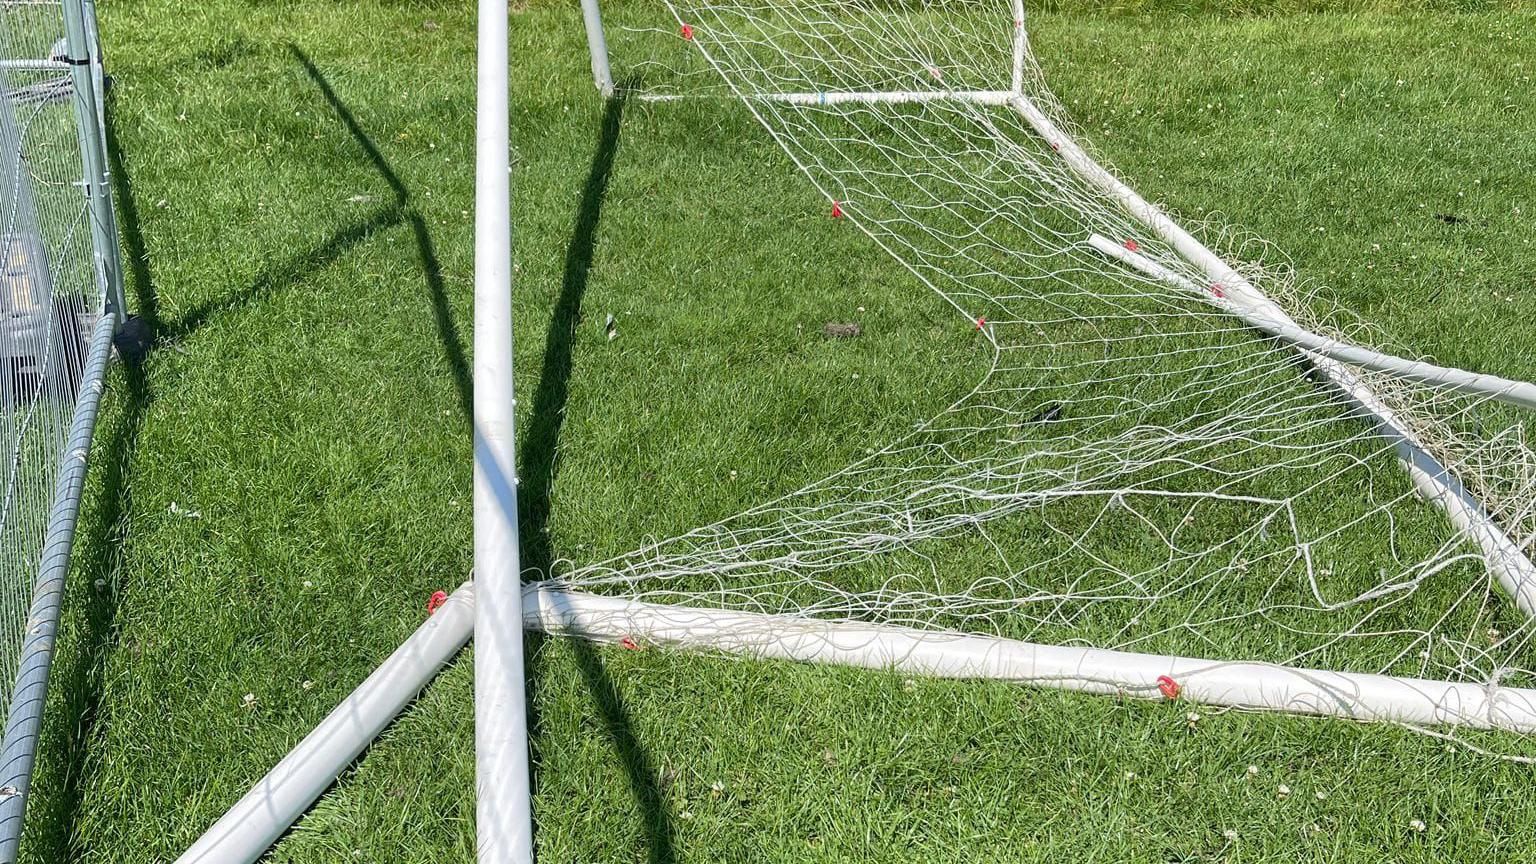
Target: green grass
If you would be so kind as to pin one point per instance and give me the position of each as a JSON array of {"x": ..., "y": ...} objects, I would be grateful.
[{"x": 294, "y": 182}]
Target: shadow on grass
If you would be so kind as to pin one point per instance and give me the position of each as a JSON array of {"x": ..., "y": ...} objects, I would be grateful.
[
  {"x": 540, "y": 443},
  {"x": 539, "y": 465},
  {"x": 400, "y": 210},
  {"x": 437, "y": 294},
  {"x": 285, "y": 273},
  {"x": 52, "y": 824},
  {"x": 397, "y": 211}
]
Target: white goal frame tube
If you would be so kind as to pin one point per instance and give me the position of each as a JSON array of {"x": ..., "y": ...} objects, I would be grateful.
[
  {"x": 846, "y": 97},
  {"x": 248, "y": 829},
  {"x": 503, "y": 811},
  {"x": 1519, "y": 393},
  {"x": 1259, "y": 686},
  {"x": 277, "y": 801},
  {"x": 597, "y": 46},
  {"x": 1503, "y": 556}
]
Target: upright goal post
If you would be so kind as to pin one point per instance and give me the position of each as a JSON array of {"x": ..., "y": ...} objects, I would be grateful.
[{"x": 503, "y": 821}]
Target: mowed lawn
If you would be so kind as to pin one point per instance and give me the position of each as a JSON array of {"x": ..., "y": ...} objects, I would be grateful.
[{"x": 280, "y": 487}]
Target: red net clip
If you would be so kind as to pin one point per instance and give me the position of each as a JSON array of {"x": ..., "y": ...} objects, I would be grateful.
[
  {"x": 981, "y": 322},
  {"x": 837, "y": 210},
  {"x": 628, "y": 643},
  {"x": 1216, "y": 289},
  {"x": 1133, "y": 245},
  {"x": 688, "y": 32},
  {"x": 436, "y": 601},
  {"x": 1168, "y": 687}
]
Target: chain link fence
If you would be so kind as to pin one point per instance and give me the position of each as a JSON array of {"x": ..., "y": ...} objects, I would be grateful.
[{"x": 60, "y": 300}]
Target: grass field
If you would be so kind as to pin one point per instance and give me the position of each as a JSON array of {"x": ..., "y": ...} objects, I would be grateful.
[{"x": 284, "y": 482}]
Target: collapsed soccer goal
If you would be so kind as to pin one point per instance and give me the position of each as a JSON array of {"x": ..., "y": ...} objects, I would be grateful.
[
  {"x": 1181, "y": 474},
  {"x": 1181, "y": 465}
]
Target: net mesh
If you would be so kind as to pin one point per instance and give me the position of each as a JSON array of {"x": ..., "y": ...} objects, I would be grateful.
[
  {"x": 1134, "y": 468},
  {"x": 50, "y": 296}
]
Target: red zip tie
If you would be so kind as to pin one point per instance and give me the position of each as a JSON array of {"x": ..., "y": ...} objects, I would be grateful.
[
  {"x": 688, "y": 32},
  {"x": 1168, "y": 687},
  {"x": 981, "y": 322},
  {"x": 1216, "y": 289},
  {"x": 1133, "y": 245},
  {"x": 837, "y": 210},
  {"x": 436, "y": 601},
  {"x": 629, "y": 644}
]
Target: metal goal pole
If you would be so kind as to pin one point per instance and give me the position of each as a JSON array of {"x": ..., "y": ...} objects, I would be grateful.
[{"x": 597, "y": 44}]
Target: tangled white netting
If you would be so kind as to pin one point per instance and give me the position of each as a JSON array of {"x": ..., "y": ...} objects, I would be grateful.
[{"x": 1137, "y": 468}]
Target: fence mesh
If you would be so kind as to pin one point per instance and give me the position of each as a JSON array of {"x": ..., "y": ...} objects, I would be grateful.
[
  {"x": 49, "y": 293},
  {"x": 52, "y": 293}
]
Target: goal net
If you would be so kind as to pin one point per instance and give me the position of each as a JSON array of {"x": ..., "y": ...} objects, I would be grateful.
[{"x": 1175, "y": 445}]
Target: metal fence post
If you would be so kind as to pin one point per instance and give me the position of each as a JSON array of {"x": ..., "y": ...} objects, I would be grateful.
[
  {"x": 31, "y": 691},
  {"x": 88, "y": 81}
]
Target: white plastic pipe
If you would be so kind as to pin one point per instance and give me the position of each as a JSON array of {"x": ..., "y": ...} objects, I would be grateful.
[
  {"x": 1519, "y": 393},
  {"x": 946, "y": 655},
  {"x": 1504, "y": 557},
  {"x": 245, "y": 833},
  {"x": 597, "y": 46},
  {"x": 838, "y": 97},
  {"x": 503, "y": 816}
]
